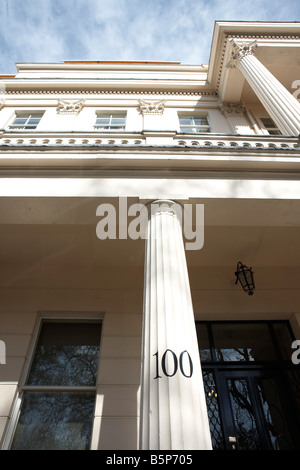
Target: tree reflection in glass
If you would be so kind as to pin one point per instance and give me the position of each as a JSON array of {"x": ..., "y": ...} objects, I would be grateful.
[
  {"x": 55, "y": 421},
  {"x": 243, "y": 414},
  {"x": 66, "y": 356},
  {"x": 243, "y": 343}
]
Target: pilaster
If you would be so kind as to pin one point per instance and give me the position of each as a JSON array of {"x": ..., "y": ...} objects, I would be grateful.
[
  {"x": 152, "y": 112},
  {"x": 235, "y": 114}
]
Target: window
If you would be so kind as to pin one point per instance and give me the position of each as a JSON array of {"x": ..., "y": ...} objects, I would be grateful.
[
  {"x": 26, "y": 120},
  {"x": 110, "y": 122},
  {"x": 270, "y": 126},
  {"x": 58, "y": 398},
  {"x": 244, "y": 341},
  {"x": 194, "y": 124}
]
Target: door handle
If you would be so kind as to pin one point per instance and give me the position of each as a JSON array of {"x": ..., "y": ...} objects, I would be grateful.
[{"x": 232, "y": 440}]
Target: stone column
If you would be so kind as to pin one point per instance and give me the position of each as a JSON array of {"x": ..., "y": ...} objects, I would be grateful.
[
  {"x": 281, "y": 105},
  {"x": 173, "y": 406}
]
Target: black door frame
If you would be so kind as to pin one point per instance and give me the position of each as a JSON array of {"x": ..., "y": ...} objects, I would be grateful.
[
  {"x": 275, "y": 369},
  {"x": 250, "y": 375}
]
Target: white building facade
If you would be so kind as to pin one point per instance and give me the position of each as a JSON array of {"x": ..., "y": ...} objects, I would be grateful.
[{"x": 130, "y": 196}]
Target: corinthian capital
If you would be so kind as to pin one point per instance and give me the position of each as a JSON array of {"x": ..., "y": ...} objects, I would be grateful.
[
  {"x": 70, "y": 107},
  {"x": 152, "y": 107},
  {"x": 232, "y": 109},
  {"x": 240, "y": 50}
]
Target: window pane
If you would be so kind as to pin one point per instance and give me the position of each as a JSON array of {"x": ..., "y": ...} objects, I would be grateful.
[
  {"x": 214, "y": 416},
  {"x": 194, "y": 124},
  {"x": 20, "y": 121},
  {"x": 186, "y": 121},
  {"x": 118, "y": 116},
  {"x": 243, "y": 413},
  {"x": 268, "y": 122},
  {"x": 203, "y": 342},
  {"x": 201, "y": 121},
  {"x": 27, "y": 121},
  {"x": 34, "y": 121},
  {"x": 66, "y": 354},
  {"x": 118, "y": 121},
  {"x": 113, "y": 121},
  {"x": 270, "y": 126},
  {"x": 284, "y": 339},
  {"x": 274, "y": 413},
  {"x": 294, "y": 382},
  {"x": 55, "y": 421},
  {"x": 102, "y": 121},
  {"x": 243, "y": 342}
]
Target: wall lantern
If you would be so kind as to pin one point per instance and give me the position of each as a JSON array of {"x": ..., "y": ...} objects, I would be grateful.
[{"x": 245, "y": 276}]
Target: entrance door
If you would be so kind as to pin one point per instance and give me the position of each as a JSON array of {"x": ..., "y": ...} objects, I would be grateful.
[
  {"x": 254, "y": 411},
  {"x": 251, "y": 384}
]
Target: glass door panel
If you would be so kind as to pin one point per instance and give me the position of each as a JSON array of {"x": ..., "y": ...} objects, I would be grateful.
[
  {"x": 234, "y": 342},
  {"x": 252, "y": 387},
  {"x": 243, "y": 415},
  {"x": 213, "y": 410},
  {"x": 254, "y": 411},
  {"x": 274, "y": 414}
]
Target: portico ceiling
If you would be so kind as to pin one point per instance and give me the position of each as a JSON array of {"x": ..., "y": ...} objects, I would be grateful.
[
  {"x": 282, "y": 62},
  {"x": 49, "y": 247},
  {"x": 48, "y": 232}
]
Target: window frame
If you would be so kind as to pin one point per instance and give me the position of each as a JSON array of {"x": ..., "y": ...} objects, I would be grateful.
[
  {"x": 206, "y": 127},
  {"x": 268, "y": 129},
  {"x": 84, "y": 317},
  {"x": 270, "y": 324},
  {"x": 29, "y": 114},
  {"x": 110, "y": 127}
]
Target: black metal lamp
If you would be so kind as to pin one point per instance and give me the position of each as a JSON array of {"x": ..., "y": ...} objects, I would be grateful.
[{"x": 245, "y": 276}]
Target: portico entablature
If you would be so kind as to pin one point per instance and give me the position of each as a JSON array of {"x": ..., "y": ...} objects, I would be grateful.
[
  {"x": 258, "y": 63},
  {"x": 180, "y": 187}
]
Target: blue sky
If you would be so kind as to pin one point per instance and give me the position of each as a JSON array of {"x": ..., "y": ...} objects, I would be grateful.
[{"x": 150, "y": 30}]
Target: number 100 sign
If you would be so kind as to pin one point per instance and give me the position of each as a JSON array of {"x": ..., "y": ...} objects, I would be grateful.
[{"x": 170, "y": 364}]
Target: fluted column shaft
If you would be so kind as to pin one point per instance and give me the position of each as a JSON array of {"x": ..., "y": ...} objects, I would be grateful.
[
  {"x": 281, "y": 105},
  {"x": 173, "y": 407}
]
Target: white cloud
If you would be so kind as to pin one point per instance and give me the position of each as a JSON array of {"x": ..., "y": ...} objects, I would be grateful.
[{"x": 55, "y": 30}]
